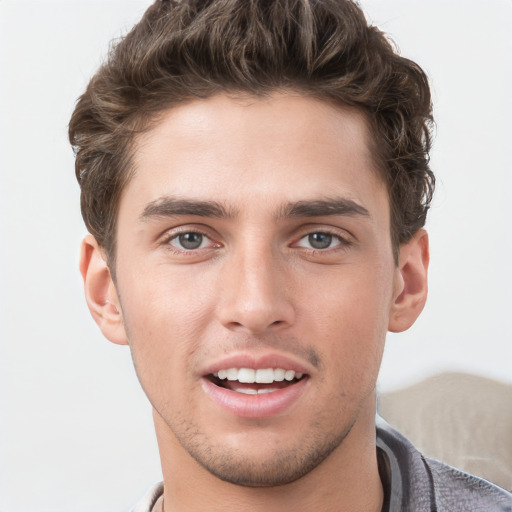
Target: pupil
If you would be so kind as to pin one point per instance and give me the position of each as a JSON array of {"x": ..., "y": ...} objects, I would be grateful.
[
  {"x": 191, "y": 240},
  {"x": 320, "y": 240}
]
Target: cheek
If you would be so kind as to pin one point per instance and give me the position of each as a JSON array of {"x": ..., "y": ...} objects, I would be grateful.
[
  {"x": 164, "y": 319},
  {"x": 351, "y": 319},
  {"x": 160, "y": 299}
]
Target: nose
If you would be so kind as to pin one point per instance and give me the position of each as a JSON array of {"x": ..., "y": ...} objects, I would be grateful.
[{"x": 256, "y": 294}]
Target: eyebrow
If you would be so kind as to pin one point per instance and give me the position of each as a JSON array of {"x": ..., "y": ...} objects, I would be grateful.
[
  {"x": 324, "y": 207},
  {"x": 172, "y": 207}
]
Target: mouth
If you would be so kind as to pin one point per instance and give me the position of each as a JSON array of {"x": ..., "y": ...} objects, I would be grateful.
[
  {"x": 255, "y": 393},
  {"x": 251, "y": 381}
]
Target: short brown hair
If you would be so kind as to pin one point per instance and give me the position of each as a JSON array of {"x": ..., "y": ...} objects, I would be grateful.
[{"x": 186, "y": 49}]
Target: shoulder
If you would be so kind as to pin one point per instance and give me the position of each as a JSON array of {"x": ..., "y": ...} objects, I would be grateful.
[
  {"x": 418, "y": 483},
  {"x": 150, "y": 498},
  {"x": 456, "y": 490}
]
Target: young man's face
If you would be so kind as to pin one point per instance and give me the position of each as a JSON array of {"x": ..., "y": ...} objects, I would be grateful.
[{"x": 255, "y": 234}]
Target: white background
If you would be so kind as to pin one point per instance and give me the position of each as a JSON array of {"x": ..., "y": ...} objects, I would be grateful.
[{"x": 75, "y": 430}]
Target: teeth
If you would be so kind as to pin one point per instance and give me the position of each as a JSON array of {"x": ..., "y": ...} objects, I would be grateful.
[
  {"x": 260, "y": 376},
  {"x": 279, "y": 374},
  {"x": 289, "y": 375},
  {"x": 266, "y": 390},
  {"x": 250, "y": 391},
  {"x": 265, "y": 376},
  {"x": 246, "y": 375},
  {"x": 247, "y": 391},
  {"x": 232, "y": 374}
]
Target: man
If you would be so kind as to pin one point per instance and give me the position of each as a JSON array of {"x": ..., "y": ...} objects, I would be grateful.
[{"x": 255, "y": 180}]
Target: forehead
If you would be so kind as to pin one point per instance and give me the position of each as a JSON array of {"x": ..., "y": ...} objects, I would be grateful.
[{"x": 281, "y": 148}]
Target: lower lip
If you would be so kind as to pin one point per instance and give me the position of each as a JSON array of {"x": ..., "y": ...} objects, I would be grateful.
[{"x": 263, "y": 405}]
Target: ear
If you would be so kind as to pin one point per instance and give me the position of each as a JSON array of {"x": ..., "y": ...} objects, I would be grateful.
[
  {"x": 100, "y": 292},
  {"x": 411, "y": 286}
]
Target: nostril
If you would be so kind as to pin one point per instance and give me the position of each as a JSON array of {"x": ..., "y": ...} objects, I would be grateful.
[{"x": 255, "y": 316}]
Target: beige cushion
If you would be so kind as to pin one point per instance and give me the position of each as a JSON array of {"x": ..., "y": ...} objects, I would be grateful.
[{"x": 460, "y": 419}]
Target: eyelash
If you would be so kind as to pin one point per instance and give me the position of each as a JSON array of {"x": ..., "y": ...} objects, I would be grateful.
[
  {"x": 343, "y": 242},
  {"x": 176, "y": 234}
]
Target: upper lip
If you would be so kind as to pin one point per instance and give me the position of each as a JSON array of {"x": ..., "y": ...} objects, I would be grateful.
[{"x": 257, "y": 361}]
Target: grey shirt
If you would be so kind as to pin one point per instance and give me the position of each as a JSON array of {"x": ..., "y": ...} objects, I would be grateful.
[
  {"x": 412, "y": 482},
  {"x": 419, "y": 484}
]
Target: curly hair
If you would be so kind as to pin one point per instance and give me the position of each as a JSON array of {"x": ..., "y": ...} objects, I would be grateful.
[{"x": 186, "y": 49}]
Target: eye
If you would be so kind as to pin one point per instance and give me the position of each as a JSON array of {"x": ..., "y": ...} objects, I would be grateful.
[
  {"x": 319, "y": 241},
  {"x": 189, "y": 241}
]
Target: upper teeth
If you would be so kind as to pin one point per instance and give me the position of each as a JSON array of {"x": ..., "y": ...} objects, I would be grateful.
[{"x": 261, "y": 376}]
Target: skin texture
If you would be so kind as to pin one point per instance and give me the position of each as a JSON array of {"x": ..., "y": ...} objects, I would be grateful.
[{"x": 256, "y": 287}]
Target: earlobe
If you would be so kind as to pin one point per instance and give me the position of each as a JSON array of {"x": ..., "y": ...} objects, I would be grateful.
[
  {"x": 100, "y": 292},
  {"x": 411, "y": 284}
]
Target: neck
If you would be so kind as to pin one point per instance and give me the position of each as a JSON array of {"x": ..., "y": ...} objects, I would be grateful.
[{"x": 348, "y": 479}]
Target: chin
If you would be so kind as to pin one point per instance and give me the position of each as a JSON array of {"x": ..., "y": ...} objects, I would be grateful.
[{"x": 262, "y": 465}]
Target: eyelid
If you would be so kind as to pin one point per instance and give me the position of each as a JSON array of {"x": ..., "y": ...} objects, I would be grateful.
[
  {"x": 173, "y": 233},
  {"x": 340, "y": 240},
  {"x": 310, "y": 229},
  {"x": 176, "y": 241},
  {"x": 185, "y": 228}
]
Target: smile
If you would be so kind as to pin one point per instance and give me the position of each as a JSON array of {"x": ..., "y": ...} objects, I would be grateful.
[
  {"x": 255, "y": 392},
  {"x": 236, "y": 379}
]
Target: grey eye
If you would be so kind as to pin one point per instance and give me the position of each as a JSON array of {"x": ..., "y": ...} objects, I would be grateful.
[
  {"x": 190, "y": 240},
  {"x": 320, "y": 240}
]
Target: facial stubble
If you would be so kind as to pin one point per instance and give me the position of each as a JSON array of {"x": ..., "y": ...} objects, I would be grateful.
[{"x": 283, "y": 466}]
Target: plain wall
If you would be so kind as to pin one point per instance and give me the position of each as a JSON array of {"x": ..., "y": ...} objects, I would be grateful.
[{"x": 75, "y": 429}]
